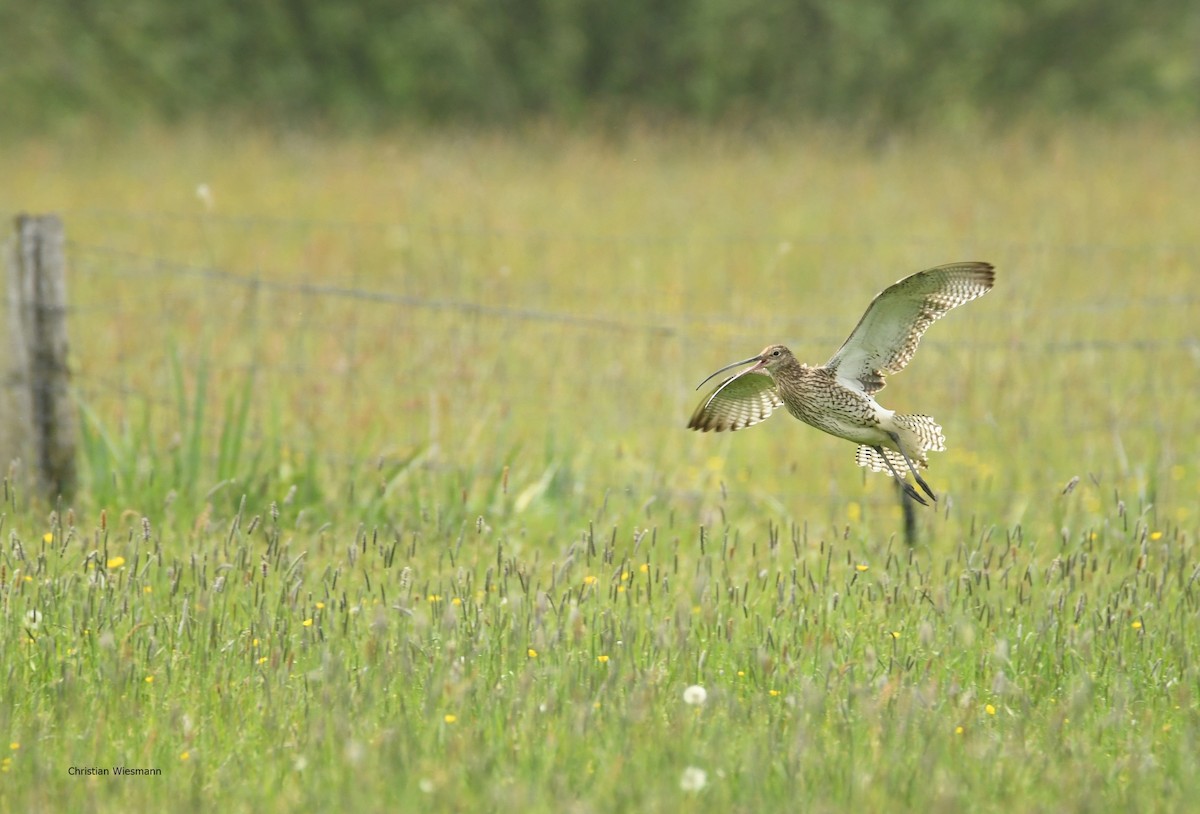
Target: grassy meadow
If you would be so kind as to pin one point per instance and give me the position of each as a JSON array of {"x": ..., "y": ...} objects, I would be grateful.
[{"x": 387, "y": 503}]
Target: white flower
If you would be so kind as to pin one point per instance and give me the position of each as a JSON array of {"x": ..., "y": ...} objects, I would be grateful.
[
  {"x": 33, "y": 618},
  {"x": 695, "y": 695},
  {"x": 693, "y": 779},
  {"x": 204, "y": 193}
]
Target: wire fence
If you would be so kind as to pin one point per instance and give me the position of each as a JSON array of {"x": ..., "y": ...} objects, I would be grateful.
[
  {"x": 389, "y": 326},
  {"x": 101, "y": 259}
]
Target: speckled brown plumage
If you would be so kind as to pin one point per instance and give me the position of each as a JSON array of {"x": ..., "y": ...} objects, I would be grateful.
[{"x": 838, "y": 397}]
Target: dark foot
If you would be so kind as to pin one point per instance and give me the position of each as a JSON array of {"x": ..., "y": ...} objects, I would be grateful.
[
  {"x": 913, "y": 493},
  {"x": 908, "y": 461},
  {"x": 924, "y": 485}
]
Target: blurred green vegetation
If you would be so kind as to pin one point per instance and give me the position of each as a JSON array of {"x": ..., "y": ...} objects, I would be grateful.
[
  {"x": 374, "y": 63},
  {"x": 391, "y": 323},
  {"x": 387, "y": 500}
]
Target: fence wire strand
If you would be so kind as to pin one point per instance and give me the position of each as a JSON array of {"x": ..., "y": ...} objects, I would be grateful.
[{"x": 251, "y": 308}]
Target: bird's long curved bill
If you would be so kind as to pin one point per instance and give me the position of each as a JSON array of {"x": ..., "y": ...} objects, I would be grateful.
[{"x": 757, "y": 359}]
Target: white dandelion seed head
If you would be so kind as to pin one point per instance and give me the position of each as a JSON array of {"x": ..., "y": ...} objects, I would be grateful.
[
  {"x": 204, "y": 193},
  {"x": 33, "y": 618},
  {"x": 693, "y": 779},
  {"x": 695, "y": 695},
  {"x": 426, "y": 785}
]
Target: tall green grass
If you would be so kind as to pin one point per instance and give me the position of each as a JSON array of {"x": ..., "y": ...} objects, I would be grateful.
[
  {"x": 129, "y": 461},
  {"x": 428, "y": 666},
  {"x": 387, "y": 500}
]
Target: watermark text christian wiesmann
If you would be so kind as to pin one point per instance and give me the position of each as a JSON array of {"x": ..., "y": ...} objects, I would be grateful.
[{"x": 120, "y": 771}]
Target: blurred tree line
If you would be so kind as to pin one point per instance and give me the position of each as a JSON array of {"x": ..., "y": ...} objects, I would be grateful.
[{"x": 378, "y": 62}]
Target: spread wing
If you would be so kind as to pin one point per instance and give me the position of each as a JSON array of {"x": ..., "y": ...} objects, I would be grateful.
[
  {"x": 738, "y": 402},
  {"x": 888, "y": 333}
]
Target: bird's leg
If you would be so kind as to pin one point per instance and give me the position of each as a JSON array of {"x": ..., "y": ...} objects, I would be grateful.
[
  {"x": 920, "y": 481},
  {"x": 905, "y": 485}
]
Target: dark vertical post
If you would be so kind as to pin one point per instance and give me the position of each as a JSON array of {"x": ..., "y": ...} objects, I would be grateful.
[
  {"x": 910, "y": 516},
  {"x": 39, "y": 413}
]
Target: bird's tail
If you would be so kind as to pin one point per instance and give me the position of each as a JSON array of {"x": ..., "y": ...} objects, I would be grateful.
[{"x": 918, "y": 434}]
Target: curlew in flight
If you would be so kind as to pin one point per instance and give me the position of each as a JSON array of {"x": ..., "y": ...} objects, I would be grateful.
[{"x": 839, "y": 396}]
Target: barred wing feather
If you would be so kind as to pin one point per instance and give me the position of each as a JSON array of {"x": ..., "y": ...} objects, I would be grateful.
[
  {"x": 887, "y": 336},
  {"x": 738, "y": 402}
]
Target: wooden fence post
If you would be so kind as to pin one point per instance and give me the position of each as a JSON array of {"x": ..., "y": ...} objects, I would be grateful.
[{"x": 39, "y": 429}]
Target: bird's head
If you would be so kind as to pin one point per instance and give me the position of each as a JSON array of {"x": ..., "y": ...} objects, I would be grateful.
[
  {"x": 771, "y": 359},
  {"x": 774, "y": 357}
]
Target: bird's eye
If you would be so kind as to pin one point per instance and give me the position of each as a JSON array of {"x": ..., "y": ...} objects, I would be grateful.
[{"x": 775, "y": 352}]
